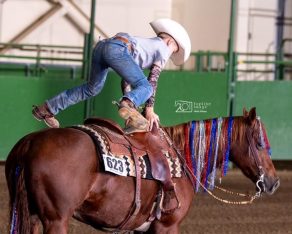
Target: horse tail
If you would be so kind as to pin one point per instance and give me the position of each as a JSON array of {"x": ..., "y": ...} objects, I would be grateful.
[{"x": 14, "y": 170}]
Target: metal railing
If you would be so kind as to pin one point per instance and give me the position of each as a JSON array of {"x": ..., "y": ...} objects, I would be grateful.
[
  {"x": 207, "y": 61},
  {"x": 261, "y": 63},
  {"x": 202, "y": 61},
  {"x": 39, "y": 55}
]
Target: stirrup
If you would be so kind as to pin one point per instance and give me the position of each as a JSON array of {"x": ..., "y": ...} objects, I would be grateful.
[{"x": 169, "y": 211}]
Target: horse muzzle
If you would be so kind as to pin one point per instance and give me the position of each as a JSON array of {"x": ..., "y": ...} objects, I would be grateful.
[
  {"x": 270, "y": 185},
  {"x": 267, "y": 185},
  {"x": 270, "y": 190}
]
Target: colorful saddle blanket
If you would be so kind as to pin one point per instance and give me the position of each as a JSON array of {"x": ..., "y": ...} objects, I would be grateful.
[{"x": 117, "y": 150}]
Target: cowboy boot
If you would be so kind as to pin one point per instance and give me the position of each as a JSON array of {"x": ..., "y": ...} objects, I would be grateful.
[
  {"x": 129, "y": 128},
  {"x": 134, "y": 119},
  {"x": 42, "y": 112}
]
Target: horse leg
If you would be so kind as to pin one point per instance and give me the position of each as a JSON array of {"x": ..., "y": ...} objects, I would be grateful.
[
  {"x": 56, "y": 226},
  {"x": 61, "y": 177},
  {"x": 35, "y": 225}
]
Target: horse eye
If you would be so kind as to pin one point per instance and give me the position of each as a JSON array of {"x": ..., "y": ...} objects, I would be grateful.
[{"x": 259, "y": 146}]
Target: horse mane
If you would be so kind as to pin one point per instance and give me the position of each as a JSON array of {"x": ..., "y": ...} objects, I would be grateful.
[
  {"x": 178, "y": 135},
  {"x": 206, "y": 144}
]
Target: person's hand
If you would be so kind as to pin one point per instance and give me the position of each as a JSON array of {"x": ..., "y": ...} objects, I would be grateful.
[{"x": 151, "y": 117}]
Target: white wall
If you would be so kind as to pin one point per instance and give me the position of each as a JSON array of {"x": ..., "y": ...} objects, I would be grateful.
[
  {"x": 131, "y": 16},
  {"x": 288, "y": 31},
  {"x": 256, "y": 25},
  {"x": 256, "y": 33},
  {"x": 111, "y": 15},
  {"x": 207, "y": 22}
]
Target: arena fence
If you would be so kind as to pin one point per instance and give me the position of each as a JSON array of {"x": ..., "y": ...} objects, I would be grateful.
[
  {"x": 199, "y": 90},
  {"x": 262, "y": 81},
  {"x": 181, "y": 96}
]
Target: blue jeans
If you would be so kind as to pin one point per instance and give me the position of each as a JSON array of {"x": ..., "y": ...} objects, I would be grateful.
[{"x": 108, "y": 53}]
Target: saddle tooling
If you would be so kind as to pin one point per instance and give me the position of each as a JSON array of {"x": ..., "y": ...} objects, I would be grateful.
[{"x": 147, "y": 155}]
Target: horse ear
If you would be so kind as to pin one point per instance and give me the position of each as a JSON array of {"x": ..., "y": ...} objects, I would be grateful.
[
  {"x": 252, "y": 115},
  {"x": 245, "y": 112}
]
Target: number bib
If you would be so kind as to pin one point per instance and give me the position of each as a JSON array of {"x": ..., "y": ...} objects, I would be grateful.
[{"x": 115, "y": 165}]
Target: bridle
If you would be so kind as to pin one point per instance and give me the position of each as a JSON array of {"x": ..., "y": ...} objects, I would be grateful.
[
  {"x": 254, "y": 152},
  {"x": 253, "y": 149}
]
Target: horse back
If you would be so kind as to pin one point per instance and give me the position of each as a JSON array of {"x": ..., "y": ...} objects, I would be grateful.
[{"x": 155, "y": 147}]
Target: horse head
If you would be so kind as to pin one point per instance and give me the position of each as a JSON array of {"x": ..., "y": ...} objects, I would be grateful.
[{"x": 250, "y": 151}]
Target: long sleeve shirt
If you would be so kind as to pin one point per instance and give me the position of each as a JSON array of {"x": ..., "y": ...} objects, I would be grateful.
[
  {"x": 153, "y": 80},
  {"x": 149, "y": 53}
]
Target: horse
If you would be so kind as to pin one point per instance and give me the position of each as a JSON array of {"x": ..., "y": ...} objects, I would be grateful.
[{"x": 55, "y": 174}]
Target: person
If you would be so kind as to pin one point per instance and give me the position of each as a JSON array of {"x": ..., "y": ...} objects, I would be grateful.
[{"x": 128, "y": 56}]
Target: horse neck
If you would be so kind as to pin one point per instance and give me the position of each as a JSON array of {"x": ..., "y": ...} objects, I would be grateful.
[{"x": 206, "y": 144}]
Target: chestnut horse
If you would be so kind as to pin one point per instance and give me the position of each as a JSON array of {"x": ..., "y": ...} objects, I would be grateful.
[{"x": 55, "y": 174}]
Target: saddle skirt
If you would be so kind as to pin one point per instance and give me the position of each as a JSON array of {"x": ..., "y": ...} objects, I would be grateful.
[{"x": 117, "y": 149}]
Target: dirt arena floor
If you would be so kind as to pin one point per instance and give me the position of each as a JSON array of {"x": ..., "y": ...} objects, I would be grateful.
[{"x": 268, "y": 215}]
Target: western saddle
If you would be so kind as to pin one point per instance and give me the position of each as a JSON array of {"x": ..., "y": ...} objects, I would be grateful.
[{"x": 155, "y": 144}]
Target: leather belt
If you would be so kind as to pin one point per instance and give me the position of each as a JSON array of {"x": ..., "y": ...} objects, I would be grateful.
[{"x": 125, "y": 40}]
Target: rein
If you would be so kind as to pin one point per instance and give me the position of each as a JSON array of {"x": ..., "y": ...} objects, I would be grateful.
[{"x": 193, "y": 177}]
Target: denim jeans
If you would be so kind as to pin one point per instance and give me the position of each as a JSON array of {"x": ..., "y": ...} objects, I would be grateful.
[{"x": 108, "y": 53}]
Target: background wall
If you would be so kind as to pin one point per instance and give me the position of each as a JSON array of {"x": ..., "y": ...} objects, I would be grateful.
[
  {"x": 207, "y": 22},
  {"x": 112, "y": 16},
  {"x": 176, "y": 102},
  {"x": 273, "y": 102}
]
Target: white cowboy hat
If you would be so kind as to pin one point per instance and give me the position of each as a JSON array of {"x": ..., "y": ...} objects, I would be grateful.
[{"x": 179, "y": 34}]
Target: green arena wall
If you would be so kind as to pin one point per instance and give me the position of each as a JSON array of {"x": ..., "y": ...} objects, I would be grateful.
[{"x": 181, "y": 96}]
